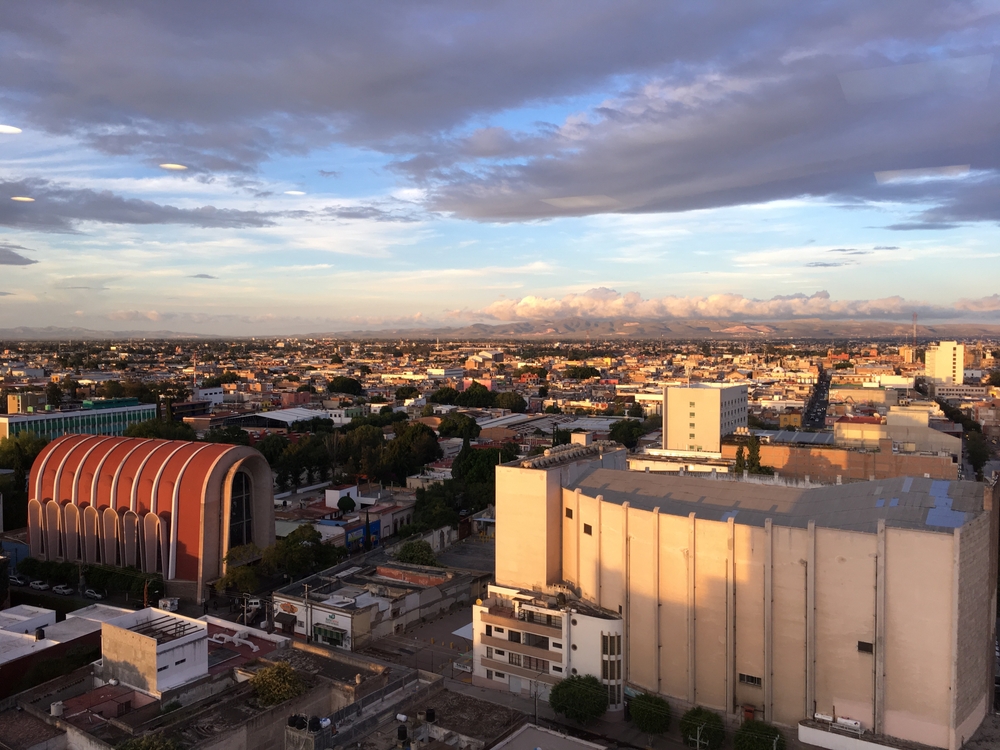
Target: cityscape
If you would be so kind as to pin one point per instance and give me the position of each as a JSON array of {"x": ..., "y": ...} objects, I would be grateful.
[{"x": 519, "y": 376}]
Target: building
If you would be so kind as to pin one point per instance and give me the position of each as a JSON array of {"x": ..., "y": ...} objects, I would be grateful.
[
  {"x": 525, "y": 643},
  {"x": 874, "y": 600},
  {"x": 945, "y": 362},
  {"x": 163, "y": 506},
  {"x": 958, "y": 391},
  {"x": 25, "y": 403},
  {"x": 97, "y": 417},
  {"x": 697, "y": 416}
]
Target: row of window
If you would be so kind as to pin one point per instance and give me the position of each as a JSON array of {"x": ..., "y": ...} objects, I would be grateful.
[
  {"x": 176, "y": 664},
  {"x": 611, "y": 670},
  {"x": 527, "y": 639},
  {"x": 611, "y": 645}
]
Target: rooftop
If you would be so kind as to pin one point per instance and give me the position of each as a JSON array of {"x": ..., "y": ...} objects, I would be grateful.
[
  {"x": 531, "y": 737},
  {"x": 902, "y": 502}
]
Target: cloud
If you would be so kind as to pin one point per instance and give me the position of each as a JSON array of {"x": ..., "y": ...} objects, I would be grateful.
[
  {"x": 821, "y": 264},
  {"x": 202, "y": 276},
  {"x": 329, "y": 173},
  {"x": 10, "y": 258},
  {"x": 133, "y": 315},
  {"x": 60, "y": 208},
  {"x": 608, "y": 303},
  {"x": 5, "y": 294}
]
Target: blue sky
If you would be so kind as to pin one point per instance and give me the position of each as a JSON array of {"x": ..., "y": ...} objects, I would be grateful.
[{"x": 766, "y": 161}]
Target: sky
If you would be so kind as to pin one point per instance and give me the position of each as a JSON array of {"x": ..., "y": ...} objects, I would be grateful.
[{"x": 352, "y": 166}]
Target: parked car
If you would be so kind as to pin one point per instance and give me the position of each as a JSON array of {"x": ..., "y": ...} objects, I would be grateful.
[
  {"x": 16, "y": 580},
  {"x": 39, "y": 585},
  {"x": 91, "y": 594},
  {"x": 64, "y": 590}
]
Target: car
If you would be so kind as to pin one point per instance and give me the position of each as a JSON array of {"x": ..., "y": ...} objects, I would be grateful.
[
  {"x": 63, "y": 590},
  {"x": 91, "y": 594},
  {"x": 39, "y": 585},
  {"x": 16, "y": 580}
]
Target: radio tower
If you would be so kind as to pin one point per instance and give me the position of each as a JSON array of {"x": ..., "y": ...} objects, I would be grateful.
[{"x": 914, "y": 330}]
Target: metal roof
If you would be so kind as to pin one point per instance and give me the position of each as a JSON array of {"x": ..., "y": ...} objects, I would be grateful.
[{"x": 903, "y": 502}]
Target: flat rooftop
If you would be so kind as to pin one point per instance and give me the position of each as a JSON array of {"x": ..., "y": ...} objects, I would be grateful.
[
  {"x": 531, "y": 737},
  {"x": 902, "y": 502}
]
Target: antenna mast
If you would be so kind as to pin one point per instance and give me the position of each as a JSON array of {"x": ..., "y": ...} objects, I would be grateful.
[{"x": 914, "y": 330}]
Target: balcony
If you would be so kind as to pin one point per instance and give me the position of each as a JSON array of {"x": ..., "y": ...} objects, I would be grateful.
[{"x": 505, "y": 618}]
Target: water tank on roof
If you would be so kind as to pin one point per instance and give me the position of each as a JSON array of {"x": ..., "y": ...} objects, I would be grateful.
[
  {"x": 313, "y": 723},
  {"x": 430, "y": 716},
  {"x": 39, "y": 634},
  {"x": 401, "y": 733}
]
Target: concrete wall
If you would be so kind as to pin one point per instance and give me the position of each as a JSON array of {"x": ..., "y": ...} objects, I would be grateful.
[
  {"x": 128, "y": 657},
  {"x": 528, "y": 542}
]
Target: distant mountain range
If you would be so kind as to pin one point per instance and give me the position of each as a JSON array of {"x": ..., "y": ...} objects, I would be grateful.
[{"x": 578, "y": 329}]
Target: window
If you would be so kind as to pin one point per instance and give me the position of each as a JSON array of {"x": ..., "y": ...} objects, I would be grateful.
[
  {"x": 501, "y": 676},
  {"x": 865, "y": 647},
  {"x": 557, "y": 669},
  {"x": 240, "y": 521},
  {"x": 500, "y": 652},
  {"x": 489, "y": 674},
  {"x": 178, "y": 663},
  {"x": 489, "y": 652},
  {"x": 498, "y": 630},
  {"x": 536, "y": 665},
  {"x": 553, "y": 621},
  {"x": 588, "y": 529},
  {"x": 536, "y": 641},
  {"x": 569, "y": 513},
  {"x": 556, "y": 645},
  {"x": 691, "y": 404},
  {"x": 514, "y": 636},
  {"x": 489, "y": 630},
  {"x": 160, "y": 669},
  {"x": 747, "y": 679},
  {"x": 691, "y": 425},
  {"x": 691, "y": 436},
  {"x": 614, "y": 694},
  {"x": 514, "y": 659}
]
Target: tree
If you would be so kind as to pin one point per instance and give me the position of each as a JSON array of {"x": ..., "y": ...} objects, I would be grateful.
[
  {"x": 511, "y": 401},
  {"x": 276, "y": 684},
  {"x": 417, "y": 552},
  {"x": 345, "y": 385},
  {"x": 650, "y": 714},
  {"x": 163, "y": 430},
  {"x": 700, "y": 724},
  {"x": 148, "y": 742},
  {"x": 346, "y": 504},
  {"x": 741, "y": 461},
  {"x": 18, "y": 453},
  {"x": 476, "y": 396},
  {"x": 217, "y": 380},
  {"x": 627, "y": 432},
  {"x": 272, "y": 447},
  {"x": 753, "y": 454},
  {"x": 240, "y": 575},
  {"x": 553, "y": 409},
  {"x": 443, "y": 396},
  {"x": 232, "y": 435},
  {"x": 758, "y": 735},
  {"x": 407, "y": 391},
  {"x": 636, "y": 410},
  {"x": 53, "y": 395},
  {"x": 543, "y": 391},
  {"x": 580, "y": 372},
  {"x": 995, "y": 378},
  {"x": 458, "y": 425},
  {"x": 977, "y": 449},
  {"x": 579, "y": 698}
]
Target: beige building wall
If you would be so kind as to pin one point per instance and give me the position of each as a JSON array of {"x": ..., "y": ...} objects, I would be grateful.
[
  {"x": 945, "y": 362},
  {"x": 528, "y": 508},
  {"x": 696, "y": 417}
]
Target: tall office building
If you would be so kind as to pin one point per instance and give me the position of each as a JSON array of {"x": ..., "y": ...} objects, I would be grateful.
[
  {"x": 873, "y": 601},
  {"x": 696, "y": 417},
  {"x": 945, "y": 362}
]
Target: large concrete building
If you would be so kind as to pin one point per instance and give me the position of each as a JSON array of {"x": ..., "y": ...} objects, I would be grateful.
[
  {"x": 163, "y": 506},
  {"x": 945, "y": 362},
  {"x": 874, "y": 600},
  {"x": 97, "y": 417},
  {"x": 696, "y": 417}
]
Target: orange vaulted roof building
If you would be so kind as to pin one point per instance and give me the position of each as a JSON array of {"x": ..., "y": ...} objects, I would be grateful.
[{"x": 162, "y": 506}]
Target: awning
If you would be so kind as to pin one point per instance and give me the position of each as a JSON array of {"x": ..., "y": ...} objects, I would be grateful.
[{"x": 286, "y": 618}]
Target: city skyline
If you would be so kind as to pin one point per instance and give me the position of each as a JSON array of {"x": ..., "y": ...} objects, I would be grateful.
[{"x": 422, "y": 166}]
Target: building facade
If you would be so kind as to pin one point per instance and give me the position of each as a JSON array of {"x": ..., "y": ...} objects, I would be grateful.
[
  {"x": 163, "y": 506},
  {"x": 99, "y": 417},
  {"x": 873, "y": 600},
  {"x": 945, "y": 362},
  {"x": 696, "y": 417}
]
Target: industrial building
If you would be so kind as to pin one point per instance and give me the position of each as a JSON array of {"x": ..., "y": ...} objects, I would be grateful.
[
  {"x": 97, "y": 417},
  {"x": 163, "y": 506},
  {"x": 873, "y": 600}
]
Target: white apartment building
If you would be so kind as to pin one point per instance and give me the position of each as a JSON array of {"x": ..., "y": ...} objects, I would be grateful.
[
  {"x": 696, "y": 417},
  {"x": 525, "y": 642},
  {"x": 945, "y": 362}
]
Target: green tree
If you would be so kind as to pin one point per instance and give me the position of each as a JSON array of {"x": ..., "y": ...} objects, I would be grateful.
[
  {"x": 232, "y": 435},
  {"x": 511, "y": 401},
  {"x": 240, "y": 574},
  {"x": 417, "y": 552},
  {"x": 758, "y": 735},
  {"x": 700, "y": 724},
  {"x": 296, "y": 554},
  {"x": 443, "y": 396},
  {"x": 148, "y": 742},
  {"x": 458, "y": 425},
  {"x": 579, "y": 698},
  {"x": 346, "y": 504},
  {"x": 217, "y": 380},
  {"x": 753, "y": 454},
  {"x": 650, "y": 714},
  {"x": 272, "y": 447},
  {"x": 161, "y": 429},
  {"x": 53, "y": 395},
  {"x": 627, "y": 432},
  {"x": 636, "y": 410},
  {"x": 977, "y": 449},
  {"x": 276, "y": 684},
  {"x": 476, "y": 396},
  {"x": 345, "y": 385},
  {"x": 581, "y": 372},
  {"x": 741, "y": 460},
  {"x": 553, "y": 409},
  {"x": 543, "y": 391},
  {"x": 407, "y": 391},
  {"x": 995, "y": 378}
]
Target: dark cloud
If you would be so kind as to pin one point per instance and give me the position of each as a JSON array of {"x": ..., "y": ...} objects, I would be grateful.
[
  {"x": 912, "y": 226},
  {"x": 821, "y": 264},
  {"x": 58, "y": 208},
  {"x": 370, "y": 213},
  {"x": 886, "y": 247},
  {"x": 8, "y": 256},
  {"x": 329, "y": 173},
  {"x": 850, "y": 251},
  {"x": 694, "y": 104},
  {"x": 202, "y": 276},
  {"x": 5, "y": 294}
]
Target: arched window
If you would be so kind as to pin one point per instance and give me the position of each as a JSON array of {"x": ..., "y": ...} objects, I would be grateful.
[{"x": 240, "y": 527}]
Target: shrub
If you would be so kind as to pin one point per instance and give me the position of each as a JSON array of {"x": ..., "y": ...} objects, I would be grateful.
[
  {"x": 417, "y": 552},
  {"x": 582, "y": 699},
  {"x": 650, "y": 714},
  {"x": 758, "y": 735},
  {"x": 713, "y": 731}
]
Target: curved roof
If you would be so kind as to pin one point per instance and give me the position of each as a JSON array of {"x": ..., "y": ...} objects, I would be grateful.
[{"x": 124, "y": 473}]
